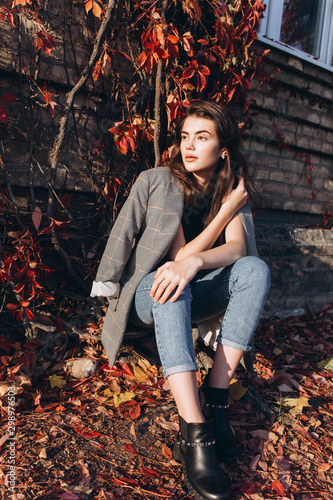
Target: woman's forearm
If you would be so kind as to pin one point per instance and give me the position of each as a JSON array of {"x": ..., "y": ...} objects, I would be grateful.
[
  {"x": 221, "y": 256},
  {"x": 205, "y": 240}
]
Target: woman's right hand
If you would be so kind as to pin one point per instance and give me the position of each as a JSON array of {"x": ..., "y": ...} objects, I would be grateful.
[{"x": 235, "y": 199}]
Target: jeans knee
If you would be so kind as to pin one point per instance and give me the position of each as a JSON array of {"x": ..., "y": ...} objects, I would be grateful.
[{"x": 254, "y": 271}]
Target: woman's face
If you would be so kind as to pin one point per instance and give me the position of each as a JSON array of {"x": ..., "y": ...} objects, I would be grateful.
[{"x": 200, "y": 148}]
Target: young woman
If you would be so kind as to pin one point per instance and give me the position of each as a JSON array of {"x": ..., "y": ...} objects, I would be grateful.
[{"x": 182, "y": 251}]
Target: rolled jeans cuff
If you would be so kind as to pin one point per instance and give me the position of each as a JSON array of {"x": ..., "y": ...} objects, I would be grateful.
[
  {"x": 188, "y": 367},
  {"x": 235, "y": 345}
]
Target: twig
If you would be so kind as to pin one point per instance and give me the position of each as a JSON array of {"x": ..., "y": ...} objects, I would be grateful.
[
  {"x": 54, "y": 154},
  {"x": 42, "y": 326}
]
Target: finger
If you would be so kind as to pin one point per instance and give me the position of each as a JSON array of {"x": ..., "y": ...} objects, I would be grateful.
[
  {"x": 160, "y": 270},
  {"x": 166, "y": 288},
  {"x": 177, "y": 294},
  {"x": 241, "y": 182},
  {"x": 158, "y": 284},
  {"x": 166, "y": 294}
]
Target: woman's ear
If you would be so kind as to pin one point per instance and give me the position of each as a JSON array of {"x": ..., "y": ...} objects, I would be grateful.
[{"x": 224, "y": 154}]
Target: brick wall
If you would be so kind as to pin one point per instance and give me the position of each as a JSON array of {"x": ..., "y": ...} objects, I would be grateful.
[{"x": 299, "y": 253}]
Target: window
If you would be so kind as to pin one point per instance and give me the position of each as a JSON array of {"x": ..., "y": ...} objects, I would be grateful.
[{"x": 300, "y": 27}]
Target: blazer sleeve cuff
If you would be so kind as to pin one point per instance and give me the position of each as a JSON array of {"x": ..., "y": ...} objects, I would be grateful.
[{"x": 108, "y": 289}]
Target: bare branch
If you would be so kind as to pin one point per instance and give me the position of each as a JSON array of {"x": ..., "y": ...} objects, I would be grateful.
[{"x": 54, "y": 154}]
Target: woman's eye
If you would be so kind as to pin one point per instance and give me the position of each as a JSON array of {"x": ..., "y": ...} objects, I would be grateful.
[{"x": 202, "y": 137}]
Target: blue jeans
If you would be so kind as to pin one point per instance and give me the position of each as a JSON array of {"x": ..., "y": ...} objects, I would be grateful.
[{"x": 238, "y": 291}]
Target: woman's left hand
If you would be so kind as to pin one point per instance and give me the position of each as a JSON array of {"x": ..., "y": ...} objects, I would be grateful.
[{"x": 173, "y": 276}]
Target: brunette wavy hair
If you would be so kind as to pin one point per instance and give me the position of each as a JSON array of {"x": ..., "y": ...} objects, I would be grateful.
[{"x": 229, "y": 135}]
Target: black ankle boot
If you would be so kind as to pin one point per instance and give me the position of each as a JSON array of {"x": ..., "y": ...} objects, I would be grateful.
[
  {"x": 214, "y": 405},
  {"x": 202, "y": 474}
]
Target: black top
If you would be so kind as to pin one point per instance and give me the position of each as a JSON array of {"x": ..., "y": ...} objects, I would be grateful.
[{"x": 193, "y": 217}]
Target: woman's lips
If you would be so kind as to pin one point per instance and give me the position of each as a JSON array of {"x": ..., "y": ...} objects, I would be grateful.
[{"x": 191, "y": 158}]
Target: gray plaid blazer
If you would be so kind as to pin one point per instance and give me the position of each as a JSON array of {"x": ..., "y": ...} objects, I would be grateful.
[{"x": 140, "y": 238}]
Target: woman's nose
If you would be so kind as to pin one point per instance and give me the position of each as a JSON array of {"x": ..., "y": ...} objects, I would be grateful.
[{"x": 190, "y": 144}]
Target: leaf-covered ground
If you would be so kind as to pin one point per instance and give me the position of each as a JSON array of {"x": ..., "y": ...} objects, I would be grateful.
[{"x": 110, "y": 436}]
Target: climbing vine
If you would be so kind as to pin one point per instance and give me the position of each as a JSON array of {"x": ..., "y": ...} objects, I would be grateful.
[{"x": 145, "y": 61}]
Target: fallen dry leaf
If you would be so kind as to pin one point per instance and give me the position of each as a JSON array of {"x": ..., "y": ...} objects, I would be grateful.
[{"x": 297, "y": 404}]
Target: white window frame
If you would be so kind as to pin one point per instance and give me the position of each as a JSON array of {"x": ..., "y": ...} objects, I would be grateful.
[{"x": 270, "y": 26}]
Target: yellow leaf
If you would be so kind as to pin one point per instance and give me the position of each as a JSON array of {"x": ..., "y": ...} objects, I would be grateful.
[
  {"x": 297, "y": 404},
  {"x": 277, "y": 351},
  {"x": 122, "y": 398},
  {"x": 56, "y": 381},
  {"x": 139, "y": 373},
  {"x": 237, "y": 390},
  {"x": 106, "y": 393},
  {"x": 146, "y": 366},
  {"x": 326, "y": 364}
]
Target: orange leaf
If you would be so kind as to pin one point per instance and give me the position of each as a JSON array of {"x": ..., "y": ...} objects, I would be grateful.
[
  {"x": 94, "y": 7},
  {"x": 86, "y": 432},
  {"x": 97, "y": 70},
  {"x": 21, "y": 2},
  {"x": 135, "y": 411},
  {"x": 149, "y": 472},
  {"x": 166, "y": 451},
  {"x": 30, "y": 314},
  {"x": 278, "y": 487}
]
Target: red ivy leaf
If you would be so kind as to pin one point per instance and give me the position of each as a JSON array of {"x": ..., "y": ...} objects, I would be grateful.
[
  {"x": 30, "y": 314},
  {"x": 66, "y": 199},
  {"x": 37, "y": 217},
  {"x": 45, "y": 42},
  {"x": 126, "y": 369},
  {"x": 31, "y": 344},
  {"x": 9, "y": 98},
  {"x": 130, "y": 448},
  {"x": 86, "y": 432},
  {"x": 149, "y": 472},
  {"x": 12, "y": 307}
]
